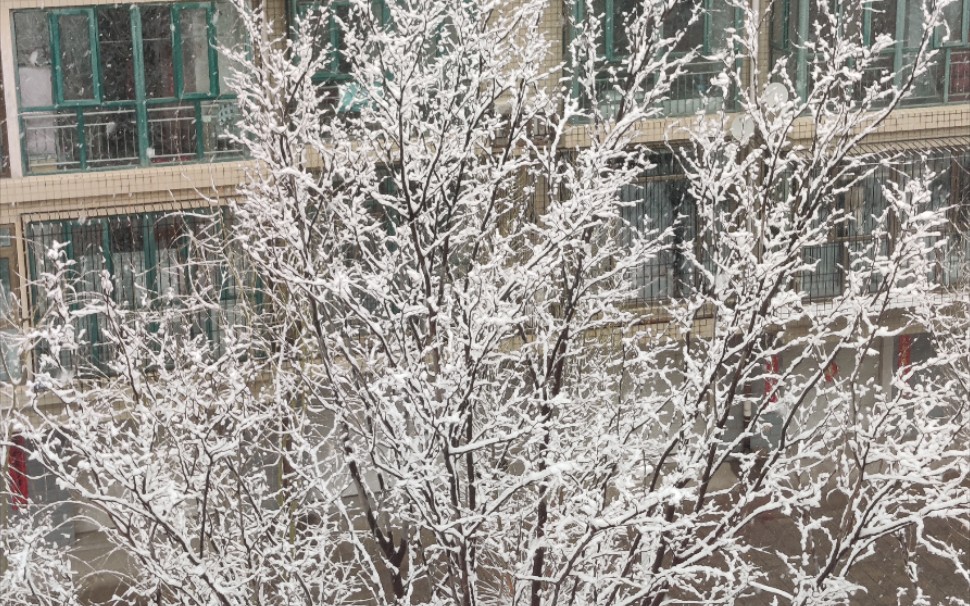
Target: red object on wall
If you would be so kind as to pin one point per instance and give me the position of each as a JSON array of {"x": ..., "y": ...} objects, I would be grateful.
[
  {"x": 905, "y": 355},
  {"x": 772, "y": 366},
  {"x": 831, "y": 371},
  {"x": 17, "y": 466}
]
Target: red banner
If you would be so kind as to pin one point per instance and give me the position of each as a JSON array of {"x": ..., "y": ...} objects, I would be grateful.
[
  {"x": 17, "y": 466},
  {"x": 905, "y": 356},
  {"x": 772, "y": 366}
]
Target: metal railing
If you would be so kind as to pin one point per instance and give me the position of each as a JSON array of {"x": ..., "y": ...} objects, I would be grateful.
[
  {"x": 126, "y": 134},
  {"x": 691, "y": 92}
]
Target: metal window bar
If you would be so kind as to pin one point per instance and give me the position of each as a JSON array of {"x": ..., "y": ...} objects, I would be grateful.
[
  {"x": 854, "y": 245},
  {"x": 95, "y": 137},
  {"x": 657, "y": 204},
  {"x": 154, "y": 262}
]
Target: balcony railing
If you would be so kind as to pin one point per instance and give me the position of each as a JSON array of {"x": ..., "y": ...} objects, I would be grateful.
[
  {"x": 124, "y": 134},
  {"x": 691, "y": 92}
]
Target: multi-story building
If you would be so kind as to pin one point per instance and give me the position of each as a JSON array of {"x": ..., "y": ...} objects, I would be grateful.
[{"x": 116, "y": 116}]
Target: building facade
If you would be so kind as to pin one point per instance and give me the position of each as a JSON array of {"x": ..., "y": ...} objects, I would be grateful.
[{"x": 116, "y": 123}]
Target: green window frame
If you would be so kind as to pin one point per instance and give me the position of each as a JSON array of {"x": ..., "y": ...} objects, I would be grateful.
[
  {"x": 791, "y": 29},
  {"x": 55, "y": 18},
  {"x": 690, "y": 88},
  {"x": 612, "y": 23},
  {"x": 300, "y": 11},
  {"x": 177, "y": 31},
  {"x": 147, "y": 256},
  {"x": 72, "y": 126}
]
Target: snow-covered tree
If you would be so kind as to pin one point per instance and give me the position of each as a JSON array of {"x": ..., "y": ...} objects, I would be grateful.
[{"x": 488, "y": 349}]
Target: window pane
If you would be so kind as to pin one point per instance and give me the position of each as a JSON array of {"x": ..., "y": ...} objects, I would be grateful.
[
  {"x": 780, "y": 38},
  {"x": 341, "y": 20},
  {"x": 128, "y": 260},
  {"x": 171, "y": 242},
  {"x": 230, "y": 35},
  {"x": 75, "y": 57},
  {"x": 86, "y": 242},
  {"x": 826, "y": 279},
  {"x": 599, "y": 11},
  {"x": 6, "y": 290},
  {"x": 722, "y": 18},
  {"x": 884, "y": 18},
  {"x": 116, "y": 54},
  {"x": 33, "y": 58},
  {"x": 953, "y": 21},
  {"x": 156, "y": 23},
  {"x": 9, "y": 359},
  {"x": 314, "y": 24},
  {"x": 865, "y": 204},
  {"x": 914, "y": 23},
  {"x": 653, "y": 211},
  {"x": 623, "y": 14},
  {"x": 678, "y": 21},
  {"x": 195, "y": 50}
]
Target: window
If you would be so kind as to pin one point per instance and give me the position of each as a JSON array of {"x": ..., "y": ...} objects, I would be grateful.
[
  {"x": 154, "y": 261},
  {"x": 9, "y": 358},
  {"x": 852, "y": 243},
  {"x": 867, "y": 232},
  {"x": 659, "y": 201},
  {"x": 4, "y": 145},
  {"x": 326, "y": 23},
  {"x": 795, "y": 24},
  {"x": 124, "y": 85},
  {"x": 950, "y": 190},
  {"x": 692, "y": 91}
]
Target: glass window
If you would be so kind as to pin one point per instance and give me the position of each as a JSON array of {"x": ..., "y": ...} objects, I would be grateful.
[
  {"x": 148, "y": 258},
  {"x": 34, "y": 65},
  {"x": 656, "y": 204},
  {"x": 794, "y": 22},
  {"x": 624, "y": 13},
  {"x": 913, "y": 24},
  {"x": 127, "y": 242},
  {"x": 231, "y": 36},
  {"x": 6, "y": 290},
  {"x": 194, "y": 30},
  {"x": 721, "y": 19},
  {"x": 953, "y": 22},
  {"x": 76, "y": 50},
  {"x": 325, "y": 22},
  {"x": 171, "y": 245},
  {"x": 825, "y": 279},
  {"x": 103, "y": 86},
  {"x": 116, "y": 54},
  {"x": 883, "y": 19},
  {"x": 156, "y": 23},
  {"x": 679, "y": 21},
  {"x": 9, "y": 358},
  {"x": 703, "y": 33}
]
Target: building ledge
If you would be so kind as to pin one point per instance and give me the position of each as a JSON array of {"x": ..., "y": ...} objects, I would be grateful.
[{"x": 207, "y": 179}]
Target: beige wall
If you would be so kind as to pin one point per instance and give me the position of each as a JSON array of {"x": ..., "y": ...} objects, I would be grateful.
[{"x": 167, "y": 187}]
